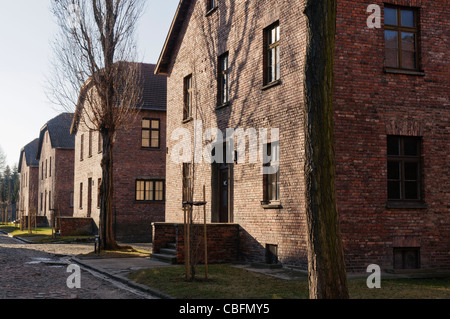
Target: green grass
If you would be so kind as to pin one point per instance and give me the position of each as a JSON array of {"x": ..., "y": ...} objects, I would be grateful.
[
  {"x": 40, "y": 234},
  {"x": 227, "y": 282},
  {"x": 224, "y": 282}
]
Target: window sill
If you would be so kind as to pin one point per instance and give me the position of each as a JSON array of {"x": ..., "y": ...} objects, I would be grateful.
[
  {"x": 221, "y": 106},
  {"x": 406, "y": 205},
  {"x": 270, "y": 85},
  {"x": 149, "y": 201},
  {"x": 187, "y": 120},
  {"x": 403, "y": 71},
  {"x": 271, "y": 205},
  {"x": 150, "y": 148},
  {"x": 211, "y": 11}
]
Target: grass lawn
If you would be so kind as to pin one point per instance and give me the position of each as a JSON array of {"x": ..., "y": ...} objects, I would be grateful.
[
  {"x": 227, "y": 282},
  {"x": 40, "y": 234}
]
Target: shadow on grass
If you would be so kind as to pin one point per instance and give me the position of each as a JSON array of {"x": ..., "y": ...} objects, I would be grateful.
[{"x": 228, "y": 282}]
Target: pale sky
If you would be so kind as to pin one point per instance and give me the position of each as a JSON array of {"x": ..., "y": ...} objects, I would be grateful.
[{"x": 26, "y": 29}]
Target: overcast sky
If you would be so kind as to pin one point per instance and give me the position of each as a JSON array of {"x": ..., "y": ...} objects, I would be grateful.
[{"x": 26, "y": 30}]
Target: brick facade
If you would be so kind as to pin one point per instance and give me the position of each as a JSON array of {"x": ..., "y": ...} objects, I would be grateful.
[
  {"x": 222, "y": 239},
  {"x": 29, "y": 180},
  {"x": 371, "y": 103},
  {"x": 132, "y": 162},
  {"x": 73, "y": 226},
  {"x": 55, "y": 155},
  {"x": 237, "y": 28}
]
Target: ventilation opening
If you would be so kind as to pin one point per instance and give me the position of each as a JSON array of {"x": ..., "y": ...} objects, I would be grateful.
[
  {"x": 406, "y": 258},
  {"x": 271, "y": 254}
]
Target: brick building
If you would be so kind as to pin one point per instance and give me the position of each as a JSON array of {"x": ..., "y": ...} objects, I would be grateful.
[
  {"x": 29, "y": 180},
  {"x": 139, "y": 165},
  {"x": 55, "y": 154},
  {"x": 239, "y": 64}
]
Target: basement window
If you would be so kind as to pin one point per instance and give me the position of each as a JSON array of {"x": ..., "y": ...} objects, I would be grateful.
[
  {"x": 407, "y": 258},
  {"x": 271, "y": 254}
]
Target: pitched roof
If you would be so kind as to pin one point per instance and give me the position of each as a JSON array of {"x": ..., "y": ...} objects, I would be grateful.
[
  {"x": 59, "y": 132},
  {"x": 155, "y": 88},
  {"x": 29, "y": 151},
  {"x": 165, "y": 58},
  {"x": 154, "y": 93}
]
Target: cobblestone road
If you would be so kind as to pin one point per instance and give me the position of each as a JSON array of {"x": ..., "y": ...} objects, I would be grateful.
[{"x": 39, "y": 271}]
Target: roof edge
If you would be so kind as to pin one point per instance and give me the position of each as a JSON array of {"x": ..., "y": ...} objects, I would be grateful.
[{"x": 165, "y": 55}]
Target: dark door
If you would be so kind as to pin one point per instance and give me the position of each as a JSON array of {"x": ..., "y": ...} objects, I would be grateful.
[
  {"x": 223, "y": 195},
  {"x": 89, "y": 208}
]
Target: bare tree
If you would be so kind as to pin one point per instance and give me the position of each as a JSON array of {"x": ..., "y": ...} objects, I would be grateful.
[
  {"x": 327, "y": 273},
  {"x": 2, "y": 160},
  {"x": 94, "y": 51}
]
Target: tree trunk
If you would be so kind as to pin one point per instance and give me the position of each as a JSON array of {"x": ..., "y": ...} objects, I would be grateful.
[
  {"x": 107, "y": 238},
  {"x": 326, "y": 264}
]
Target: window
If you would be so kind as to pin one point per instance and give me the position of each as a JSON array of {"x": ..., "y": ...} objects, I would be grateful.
[
  {"x": 99, "y": 185},
  {"x": 71, "y": 199},
  {"x": 272, "y": 54},
  {"x": 223, "y": 80},
  {"x": 42, "y": 201},
  {"x": 81, "y": 195},
  {"x": 50, "y": 168},
  {"x": 406, "y": 258},
  {"x": 272, "y": 174},
  {"x": 187, "y": 110},
  {"x": 90, "y": 144},
  {"x": 100, "y": 143},
  {"x": 149, "y": 190},
  {"x": 187, "y": 182},
  {"x": 211, "y": 4},
  {"x": 46, "y": 168},
  {"x": 49, "y": 200},
  {"x": 404, "y": 168},
  {"x": 401, "y": 38},
  {"x": 81, "y": 147},
  {"x": 151, "y": 133}
]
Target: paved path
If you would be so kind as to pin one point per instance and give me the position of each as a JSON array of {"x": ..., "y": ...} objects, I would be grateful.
[{"x": 39, "y": 271}]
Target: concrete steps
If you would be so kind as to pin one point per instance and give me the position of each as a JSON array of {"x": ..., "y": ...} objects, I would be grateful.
[{"x": 167, "y": 255}]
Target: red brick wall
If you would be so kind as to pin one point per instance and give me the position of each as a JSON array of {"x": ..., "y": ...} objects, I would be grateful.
[
  {"x": 131, "y": 162},
  {"x": 28, "y": 193},
  {"x": 72, "y": 226},
  {"x": 371, "y": 104},
  {"x": 223, "y": 241},
  {"x": 134, "y": 218},
  {"x": 63, "y": 179},
  {"x": 237, "y": 27},
  {"x": 57, "y": 179}
]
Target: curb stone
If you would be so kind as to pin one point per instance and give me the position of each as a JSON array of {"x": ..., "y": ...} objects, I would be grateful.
[{"x": 124, "y": 280}]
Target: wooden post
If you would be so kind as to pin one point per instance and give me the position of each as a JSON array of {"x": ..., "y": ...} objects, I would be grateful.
[
  {"x": 59, "y": 216},
  {"x": 204, "y": 231},
  {"x": 186, "y": 244},
  {"x": 29, "y": 221}
]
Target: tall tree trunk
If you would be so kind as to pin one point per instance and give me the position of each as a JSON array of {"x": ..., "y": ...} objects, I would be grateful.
[
  {"x": 326, "y": 264},
  {"x": 107, "y": 237}
]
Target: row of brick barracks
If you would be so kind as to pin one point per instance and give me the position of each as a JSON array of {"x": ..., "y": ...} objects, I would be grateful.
[{"x": 240, "y": 64}]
